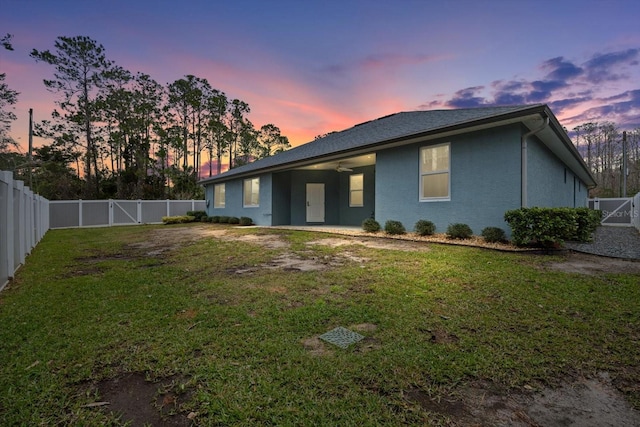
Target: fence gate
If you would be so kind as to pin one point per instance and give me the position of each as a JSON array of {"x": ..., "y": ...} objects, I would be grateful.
[
  {"x": 619, "y": 211},
  {"x": 125, "y": 212}
]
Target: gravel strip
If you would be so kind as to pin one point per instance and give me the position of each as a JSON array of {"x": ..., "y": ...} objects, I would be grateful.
[{"x": 614, "y": 242}]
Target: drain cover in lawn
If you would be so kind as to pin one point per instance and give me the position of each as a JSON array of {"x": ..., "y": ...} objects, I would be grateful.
[{"x": 342, "y": 337}]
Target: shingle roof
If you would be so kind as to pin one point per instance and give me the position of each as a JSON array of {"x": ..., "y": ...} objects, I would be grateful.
[{"x": 378, "y": 132}]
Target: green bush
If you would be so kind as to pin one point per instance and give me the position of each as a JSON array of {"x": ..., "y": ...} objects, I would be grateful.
[
  {"x": 394, "y": 227},
  {"x": 425, "y": 228},
  {"x": 588, "y": 220},
  {"x": 370, "y": 225},
  {"x": 180, "y": 219},
  {"x": 223, "y": 220},
  {"x": 245, "y": 220},
  {"x": 215, "y": 219},
  {"x": 493, "y": 235},
  {"x": 550, "y": 227},
  {"x": 234, "y": 220},
  {"x": 459, "y": 231},
  {"x": 197, "y": 214}
]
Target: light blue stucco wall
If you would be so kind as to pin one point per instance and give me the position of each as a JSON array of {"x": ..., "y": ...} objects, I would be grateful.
[
  {"x": 337, "y": 209},
  {"x": 261, "y": 215},
  {"x": 550, "y": 182},
  {"x": 281, "y": 198},
  {"x": 485, "y": 182},
  {"x": 299, "y": 181},
  {"x": 354, "y": 216}
]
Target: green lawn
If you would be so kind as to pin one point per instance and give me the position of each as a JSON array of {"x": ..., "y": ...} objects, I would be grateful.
[{"x": 91, "y": 305}]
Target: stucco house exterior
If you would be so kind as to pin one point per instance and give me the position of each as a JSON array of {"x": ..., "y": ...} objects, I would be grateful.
[{"x": 446, "y": 166}]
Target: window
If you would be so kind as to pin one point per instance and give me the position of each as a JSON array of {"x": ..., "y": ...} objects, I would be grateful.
[
  {"x": 251, "y": 192},
  {"x": 218, "y": 196},
  {"x": 434, "y": 172},
  {"x": 356, "y": 190}
]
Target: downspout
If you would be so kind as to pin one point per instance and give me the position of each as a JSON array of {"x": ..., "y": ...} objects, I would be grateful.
[{"x": 523, "y": 160}]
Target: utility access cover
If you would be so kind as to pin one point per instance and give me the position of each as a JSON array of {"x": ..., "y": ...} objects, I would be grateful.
[{"x": 342, "y": 337}]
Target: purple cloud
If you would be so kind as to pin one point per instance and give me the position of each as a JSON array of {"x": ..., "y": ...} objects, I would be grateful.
[
  {"x": 466, "y": 98},
  {"x": 561, "y": 105},
  {"x": 622, "y": 109},
  {"x": 600, "y": 67},
  {"x": 392, "y": 59},
  {"x": 509, "y": 85},
  {"x": 509, "y": 98},
  {"x": 566, "y": 87},
  {"x": 561, "y": 70}
]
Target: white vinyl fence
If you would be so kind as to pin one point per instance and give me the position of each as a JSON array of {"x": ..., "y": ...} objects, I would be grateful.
[
  {"x": 106, "y": 213},
  {"x": 24, "y": 219},
  {"x": 636, "y": 210}
]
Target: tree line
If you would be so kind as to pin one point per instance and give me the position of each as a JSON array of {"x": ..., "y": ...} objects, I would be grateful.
[
  {"x": 119, "y": 134},
  {"x": 601, "y": 146}
]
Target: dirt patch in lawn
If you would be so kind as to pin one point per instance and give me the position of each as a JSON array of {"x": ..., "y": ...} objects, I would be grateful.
[
  {"x": 585, "y": 402},
  {"x": 167, "y": 238},
  {"x": 575, "y": 262},
  {"x": 140, "y": 402},
  {"x": 375, "y": 243},
  {"x": 161, "y": 240}
]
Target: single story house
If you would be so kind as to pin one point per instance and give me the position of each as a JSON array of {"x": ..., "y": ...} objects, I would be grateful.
[{"x": 446, "y": 166}]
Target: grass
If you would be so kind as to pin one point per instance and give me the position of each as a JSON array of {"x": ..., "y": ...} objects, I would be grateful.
[{"x": 91, "y": 305}]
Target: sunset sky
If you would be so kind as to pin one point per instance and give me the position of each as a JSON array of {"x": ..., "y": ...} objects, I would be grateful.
[{"x": 312, "y": 67}]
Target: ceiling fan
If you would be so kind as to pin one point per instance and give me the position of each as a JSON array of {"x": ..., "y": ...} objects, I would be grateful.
[{"x": 341, "y": 168}]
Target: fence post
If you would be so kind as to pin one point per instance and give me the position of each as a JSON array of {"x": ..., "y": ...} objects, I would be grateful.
[
  {"x": 139, "y": 212},
  {"x": 168, "y": 207},
  {"x": 19, "y": 224},
  {"x": 6, "y": 230},
  {"x": 30, "y": 219},
  {"x": 596, "y": 204},
  {"x": 37, "y": 218},
  {"x": 110, "y": 213},
  {"x": 79, "y": 212}
]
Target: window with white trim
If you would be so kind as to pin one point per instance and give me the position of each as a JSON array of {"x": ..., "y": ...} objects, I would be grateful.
[
  {"x": 218, "y": 196},
  {"x": 251, "y": 192},
  {"x": 356, "y": 190},
  {"x": 435, "y": 172}
]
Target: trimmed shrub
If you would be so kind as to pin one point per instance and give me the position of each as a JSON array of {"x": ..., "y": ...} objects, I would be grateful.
[
  {"x": 493, "y": 235},
  {"x": 197, "y": 214},
  {"x": 459, "y": 231},
  {"x": 370, "y": 225},
  {"x": 234, "y": 220},
  {"x": 394, "y": 227},
  {"x": 245, "y": 220},
  {"x": 550, "y": 227},
  {"x": 223, "y": 220},
  {"x": 425, "y": 228},
  {"x": 215, "y": 219},
  {"x": 180, "y": 219},
  {"x": 588, "y": 220}
]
